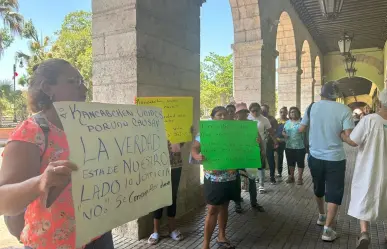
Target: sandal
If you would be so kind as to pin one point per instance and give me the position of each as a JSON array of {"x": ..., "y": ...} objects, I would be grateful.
[
  {"x": 176, "y": 235},
  {"x": 225, "y": 245},
  {"x": 154, "y": 239}
]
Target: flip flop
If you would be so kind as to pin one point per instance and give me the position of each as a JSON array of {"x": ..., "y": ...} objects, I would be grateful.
[{"x": 225, "y": 245}]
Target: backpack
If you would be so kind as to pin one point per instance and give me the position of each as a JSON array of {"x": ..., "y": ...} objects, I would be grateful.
[
  {"x": 306, "y": 137},
  {"x": 15, "y": 224}
]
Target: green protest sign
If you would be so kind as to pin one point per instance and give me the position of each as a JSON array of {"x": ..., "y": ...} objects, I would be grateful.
[{"x": 229, "y": 145}]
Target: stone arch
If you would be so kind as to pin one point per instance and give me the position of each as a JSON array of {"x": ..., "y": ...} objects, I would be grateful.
[
  {"x": 317, "y": 82},
  {"x": 287, "y": 62},
  {"x": 247, "y": 50},
  {"x": 306, "y": 76}
]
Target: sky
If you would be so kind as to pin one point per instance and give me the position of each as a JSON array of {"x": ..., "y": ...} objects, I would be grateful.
[{"x": 216, "y": 27}]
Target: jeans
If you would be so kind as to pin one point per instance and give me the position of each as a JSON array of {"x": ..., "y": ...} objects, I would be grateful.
[
  {"x": 270, "y": 160},
  {"x": 252, "y": 190},
  {"x": 280, "y": 153}
]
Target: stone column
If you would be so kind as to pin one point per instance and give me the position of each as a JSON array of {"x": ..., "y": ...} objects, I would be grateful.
[
  {"x": 247, "y": 71},
  {"x": 287, "y": 86},
  {"x": 149, "y": 48},
  {"x": 269, "y": 55}
]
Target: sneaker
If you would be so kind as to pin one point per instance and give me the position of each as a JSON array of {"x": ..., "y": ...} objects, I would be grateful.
[
  {"x": 321, "y": 220},
  {"x": 257, "y": 180},
  {"x": 363, "y": 241},
  {"x": 290, "y": 180},
  {"x": 261, "y": 190},
  {"x": 329, "y": 235},
  {"x": 273, "y": 181},
  {"x": 279, "y": 176}
]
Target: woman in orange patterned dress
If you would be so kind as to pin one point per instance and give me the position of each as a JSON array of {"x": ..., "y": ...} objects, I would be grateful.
[{"x": 30, "y": 170}]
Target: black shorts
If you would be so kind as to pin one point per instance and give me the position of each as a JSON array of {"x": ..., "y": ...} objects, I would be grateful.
[
  {"x": 219, "y": 193},
  {"x": 295, "y": 156},
  {"x": 328, "y": 179}
]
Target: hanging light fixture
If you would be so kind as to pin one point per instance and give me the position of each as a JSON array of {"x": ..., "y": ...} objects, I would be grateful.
[
  {"x": 345, "y": 44},
  {"x": 350, "y": 66},
  {"x": 331, "y": 8}
]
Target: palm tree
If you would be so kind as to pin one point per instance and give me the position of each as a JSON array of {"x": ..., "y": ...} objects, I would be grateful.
[
  {"x": 38, "y": 47},
  {"x": 12, "y": 20}
]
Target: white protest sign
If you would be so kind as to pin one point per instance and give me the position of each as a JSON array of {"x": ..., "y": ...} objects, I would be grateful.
[{"x": 123, "y": 159}]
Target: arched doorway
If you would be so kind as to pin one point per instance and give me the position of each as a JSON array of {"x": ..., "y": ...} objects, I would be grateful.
[
  {"x": 306, "y": 77},
  {"x": 287, "y": 62},
  {"x": 357, "y": 90},
  {"x": 317, "y": 79}
]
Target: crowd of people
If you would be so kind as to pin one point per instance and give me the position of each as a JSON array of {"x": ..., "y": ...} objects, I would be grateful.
[{"x": 320, "y": 134}]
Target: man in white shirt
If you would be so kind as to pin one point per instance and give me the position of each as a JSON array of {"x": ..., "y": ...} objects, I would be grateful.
[{"x": 265, "y": 130}]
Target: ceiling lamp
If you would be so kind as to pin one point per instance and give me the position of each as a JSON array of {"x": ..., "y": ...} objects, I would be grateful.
[
  {"x": 331, "y": 8},
  {"x": 345, "y": 44},
  {"x": 350, "y": 66}
]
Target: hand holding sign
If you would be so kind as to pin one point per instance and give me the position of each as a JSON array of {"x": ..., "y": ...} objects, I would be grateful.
[{"x": 124, "y": 168}]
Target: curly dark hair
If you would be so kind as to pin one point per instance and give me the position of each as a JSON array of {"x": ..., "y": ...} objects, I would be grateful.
[
  {"x": 46, "y": 72},
  {"x": 295, "y": 109}
]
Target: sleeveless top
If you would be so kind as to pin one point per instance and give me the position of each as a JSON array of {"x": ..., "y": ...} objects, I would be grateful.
[{"x": 54, "y": 227}]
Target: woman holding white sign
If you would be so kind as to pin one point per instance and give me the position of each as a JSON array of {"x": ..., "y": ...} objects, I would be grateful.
[
  {"x": 219, "y": 190},
  {"x": 35, "y": 177}
]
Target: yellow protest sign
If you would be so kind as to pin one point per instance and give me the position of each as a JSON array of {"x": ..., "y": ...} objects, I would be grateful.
[
  {"x": 178, "y": 115},
  {"x": 123, "y": 159}
]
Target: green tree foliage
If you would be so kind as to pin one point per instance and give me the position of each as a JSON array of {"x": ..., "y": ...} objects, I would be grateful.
[
  {"x": 74, "y": 44},
  {"x": 39, "y": 47},
  {"x": 12, "y": 23},
  {"x": 216, "y": 82},
  {"x": 9, "y": 97}
]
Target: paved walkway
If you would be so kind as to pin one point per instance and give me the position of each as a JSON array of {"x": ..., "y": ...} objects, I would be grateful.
[{"x": 290, "y": 222}]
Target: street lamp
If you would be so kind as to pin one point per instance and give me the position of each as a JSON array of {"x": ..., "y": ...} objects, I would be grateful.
[
  {"x": 14, "y": 86},
  {"x": 350, "y": 66},
  {"x": 331, "y": 8},
  {"x": 345, "y": 44}
]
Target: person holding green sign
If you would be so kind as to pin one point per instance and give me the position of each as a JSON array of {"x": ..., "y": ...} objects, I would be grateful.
[
  {"x": 219, "y": 190},
  {"x": 241, "y": 114}
]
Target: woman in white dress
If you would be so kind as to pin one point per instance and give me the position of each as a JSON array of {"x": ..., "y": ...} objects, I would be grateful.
[{"x": 369, "y": 183}]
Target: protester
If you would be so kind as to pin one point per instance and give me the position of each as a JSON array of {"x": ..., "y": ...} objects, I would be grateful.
[
  {"x": 231, "y": 111},
  {"x": 327, "y": 158},
  {"x": 219, "y": 190},
  {"x": 369, "y": 182},
  {"x": 272, "y": 143},
  {"x": 25, "y": 179},
  {"x": 241, "y": 114},
  {"x": 265, "y": 130},
  {"x": 281, "y": 140},
  {"x": 176, "y": 164},
  {"x": 295, "y": 148}
]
